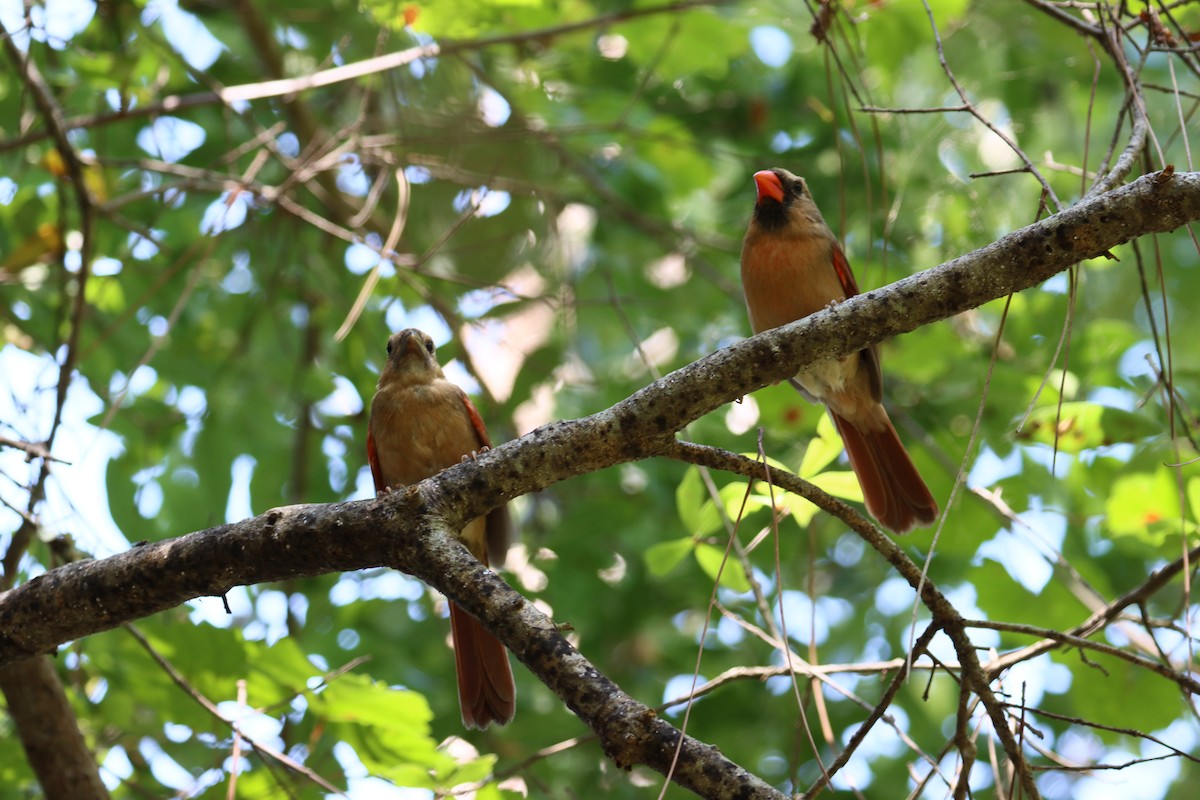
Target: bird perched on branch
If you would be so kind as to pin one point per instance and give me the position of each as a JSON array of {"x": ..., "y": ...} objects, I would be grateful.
[
  {"x": 793, "y": 266},
  {"x": 420, "y": 424}
]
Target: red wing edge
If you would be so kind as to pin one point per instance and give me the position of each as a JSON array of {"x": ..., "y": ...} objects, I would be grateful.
[
  {"x": 373, "y": 461},
  {"x": 845, "y": 276},
  {"x": 476, "y": 420}
]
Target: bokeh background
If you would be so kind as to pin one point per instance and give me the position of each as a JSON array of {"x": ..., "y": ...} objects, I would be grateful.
[{"x": 566, "y": 184}]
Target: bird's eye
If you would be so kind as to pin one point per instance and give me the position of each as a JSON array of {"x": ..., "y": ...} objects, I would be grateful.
[
  {"x": 389, "y": 347},
  {"x": 429, "y": 346}
]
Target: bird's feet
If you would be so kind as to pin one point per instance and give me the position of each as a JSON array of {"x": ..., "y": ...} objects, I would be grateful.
[{"x": 474, "y": 454}]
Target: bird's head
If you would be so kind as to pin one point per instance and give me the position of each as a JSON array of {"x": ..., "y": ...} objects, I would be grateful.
[
  {"x": 783, "y": 200},
  {"x": 411, "y": 358}
]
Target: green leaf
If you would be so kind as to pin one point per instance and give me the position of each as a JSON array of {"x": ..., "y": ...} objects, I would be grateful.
[
  {"x": 733, "y": 494},
  {"x": 1144, "y": 505},
  {"x": 690, "y": 496},
  {"x": 822, "y": 449},
  {"x": 458, "y": 19},
  {"x": 802, "y": 511},
  {"x": 212, "y": 660},
  {"x": 949, "y": 11},
  {"x": 106, "y": 294},
  {"x": 1193, "y": 496},
  {"x": 840, "y": 484},
  {"x": 673, "y": 40},
  {"x": 1083, "y": 425},
  {"x": 708, "y": 519},
  {"x": 1101, "y": 688},
  {"x": 663, "y": 557},
  {"x": 389, "y": 729},
  {"x": 729, "y": 572}
]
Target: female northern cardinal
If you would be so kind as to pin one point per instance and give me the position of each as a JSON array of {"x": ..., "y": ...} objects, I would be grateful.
[
  {"x": 420, "y": 424},
  {"x": 793, "y": 266}
]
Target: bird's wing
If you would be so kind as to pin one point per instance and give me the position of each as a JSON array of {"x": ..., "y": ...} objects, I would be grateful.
[
  {"x": 499, "y": 522},
  {"x": 373, "y": 460},
  {"x": 870, "y": 356},
  {"x": 845, "y": 276},
  {"x": 476, "y": 420}
]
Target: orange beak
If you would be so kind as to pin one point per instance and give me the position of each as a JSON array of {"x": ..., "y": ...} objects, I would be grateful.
[
  {"x": 767, "y": 184},
  {"x": 412, "y": 344}
]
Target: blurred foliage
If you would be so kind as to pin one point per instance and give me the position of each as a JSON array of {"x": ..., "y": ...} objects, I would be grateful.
[{"x": 575, "y": 200}]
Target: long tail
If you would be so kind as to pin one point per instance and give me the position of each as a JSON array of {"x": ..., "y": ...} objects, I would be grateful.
[
  {"x": 894, "y": 491},
  {"x": 486, "y": 692}
]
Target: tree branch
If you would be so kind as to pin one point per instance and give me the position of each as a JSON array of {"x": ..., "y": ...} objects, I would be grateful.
[{"x": 45, "y": 723}]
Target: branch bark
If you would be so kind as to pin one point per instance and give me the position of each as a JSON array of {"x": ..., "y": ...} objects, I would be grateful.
[{"x": 48, "y": 731}]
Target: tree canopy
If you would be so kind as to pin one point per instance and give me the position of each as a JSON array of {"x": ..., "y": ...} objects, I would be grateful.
[{"x": 212, "y": 215}]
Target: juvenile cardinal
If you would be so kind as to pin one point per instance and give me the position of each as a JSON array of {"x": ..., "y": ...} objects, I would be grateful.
[
  {"x": 420, "y": 424},
  {"x": 792, "y": 266}
]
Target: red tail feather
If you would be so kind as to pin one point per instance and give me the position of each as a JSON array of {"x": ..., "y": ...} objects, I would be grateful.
[
  {"x": 893, "y": 489},
  {"x": 485, "y": 682}
]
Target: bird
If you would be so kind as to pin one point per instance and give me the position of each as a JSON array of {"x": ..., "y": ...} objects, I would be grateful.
[
  {"x": 421, "y": 423},
  {"x": 793, "y": 266}
]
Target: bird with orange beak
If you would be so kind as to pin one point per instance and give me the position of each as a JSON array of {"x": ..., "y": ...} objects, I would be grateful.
[
  {"x": 421, "y": 424},
  {"x": 793, "y": 266}
]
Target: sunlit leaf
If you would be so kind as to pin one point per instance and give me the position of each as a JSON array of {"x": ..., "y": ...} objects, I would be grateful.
[
  {"x": 1144, "y": 505},
  {"x": 840, "y": 484},
  {"x": 822, "y": 449},
  {"x": 728, "y": 571},
  {"x": 663, "y": 557},
  {"x": 1077, "y": 426}
]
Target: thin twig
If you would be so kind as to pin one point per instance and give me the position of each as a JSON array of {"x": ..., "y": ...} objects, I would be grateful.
[{"x": 31, "y": 450}]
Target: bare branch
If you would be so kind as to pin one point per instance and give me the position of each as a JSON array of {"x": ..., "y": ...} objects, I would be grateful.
[{"x": 31, "y": 450}]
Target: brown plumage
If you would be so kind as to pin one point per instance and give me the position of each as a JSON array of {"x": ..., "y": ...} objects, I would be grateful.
[
  {"x": 793, "y": 266},
  {"x": 420, "y": 424}
]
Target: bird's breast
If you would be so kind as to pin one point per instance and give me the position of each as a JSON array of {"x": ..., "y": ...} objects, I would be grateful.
[
  {"x": 420, "y": 430},
  {"x": 787, "y": 278}
]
